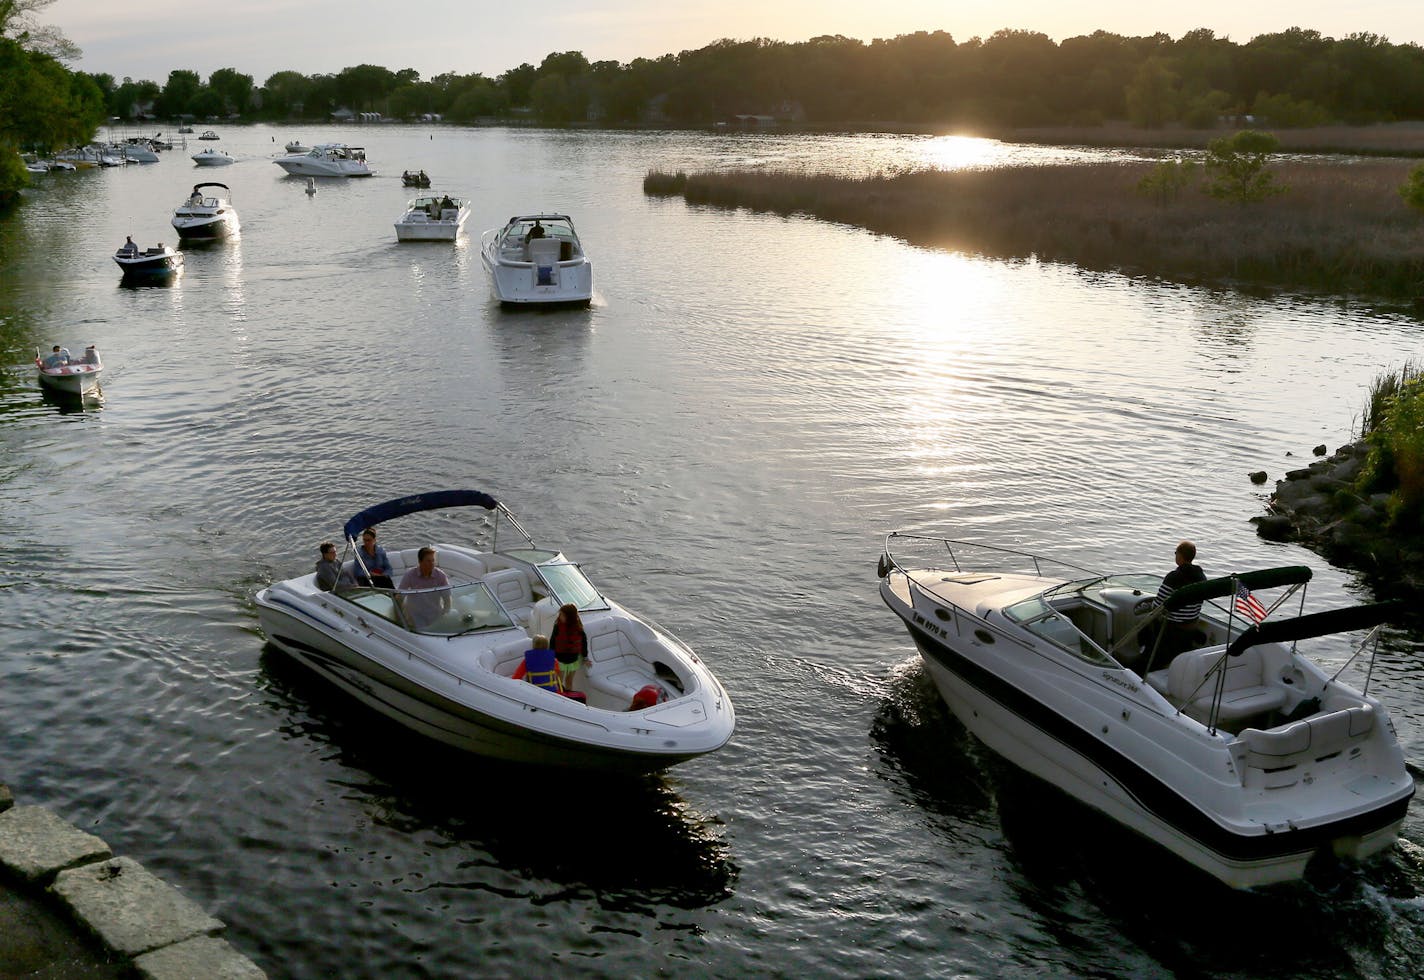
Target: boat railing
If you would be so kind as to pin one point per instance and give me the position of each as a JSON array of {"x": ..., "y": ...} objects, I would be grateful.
[{"x": 958, "y": 554}]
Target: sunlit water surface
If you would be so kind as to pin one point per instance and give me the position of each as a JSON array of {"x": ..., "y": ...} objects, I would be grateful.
[{"x": 722, "y": 439}]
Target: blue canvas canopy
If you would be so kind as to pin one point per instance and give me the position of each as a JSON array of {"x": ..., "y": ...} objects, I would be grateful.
[{"x": 416, "y": 503}]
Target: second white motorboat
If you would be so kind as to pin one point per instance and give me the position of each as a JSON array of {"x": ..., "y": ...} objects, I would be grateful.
[
  {"x": 433, "y": 218},
  {"x": 443, "y": 661},
  {"x": 1240, "y": 755},
  {"x": 206, "y": 214},
  {"x": 537, "y": 258},
  {"x": 212, "y": 157},
  {"x": 327, "y": 160}
]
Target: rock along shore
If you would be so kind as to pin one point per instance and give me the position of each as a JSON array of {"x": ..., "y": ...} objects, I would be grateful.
[
  {"x": 142, "y": 923},
  {"x": 1318, "y": 506}
]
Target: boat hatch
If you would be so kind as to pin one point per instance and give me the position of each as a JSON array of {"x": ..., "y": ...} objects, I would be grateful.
[{"x": 970, "y": 579}]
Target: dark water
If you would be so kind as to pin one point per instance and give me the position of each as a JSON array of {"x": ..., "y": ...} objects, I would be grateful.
[{"x": 723, "y": 439}]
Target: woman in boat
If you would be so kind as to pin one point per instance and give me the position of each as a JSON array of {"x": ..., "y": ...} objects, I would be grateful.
[{"x": 569, "y": 642}]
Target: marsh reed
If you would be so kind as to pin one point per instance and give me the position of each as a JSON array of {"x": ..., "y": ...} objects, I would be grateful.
[{"x": 1340, "y": 227}]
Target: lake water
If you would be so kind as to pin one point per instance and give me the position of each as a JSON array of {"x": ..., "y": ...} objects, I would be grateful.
[{"x": 722, "y": 439}]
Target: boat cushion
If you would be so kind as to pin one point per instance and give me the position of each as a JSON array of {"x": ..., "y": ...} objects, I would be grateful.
[
  {"x": 1308, "y": 740},
  {"x": 1252, "y": 683},
  {"x": 511, "y": 588}
]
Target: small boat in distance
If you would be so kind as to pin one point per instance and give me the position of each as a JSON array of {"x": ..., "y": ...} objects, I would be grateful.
[
  {"x": 153, "y": 264},
  {"x": 417, "y": 179},
  {"x": 1239, "y": 754},
  {"x": 208, "y": 134},
  {"x": 445, "y": 660},
  {"x": 211, "y": 157},
  {"x": 537, "y": 258},
  {"x": 64, "y": 375},
  {"x": 433, "y": 218},
  {"x": 207, "y": 215},
  {"x": 327, "y": 160},
  {"x": 295, "y": 146}
]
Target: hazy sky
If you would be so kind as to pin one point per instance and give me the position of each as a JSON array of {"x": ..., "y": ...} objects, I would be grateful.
[{"x": 259, "y": 37}]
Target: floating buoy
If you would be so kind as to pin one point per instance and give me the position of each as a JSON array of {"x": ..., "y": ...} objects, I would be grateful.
[{"x": 311, "y": 185}]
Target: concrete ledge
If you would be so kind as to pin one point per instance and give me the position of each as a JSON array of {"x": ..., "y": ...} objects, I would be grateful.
[
  {"x": 204, "y": 956},
  {"x": 131, "y": 911},
  {"x": 36, "y": 845}
]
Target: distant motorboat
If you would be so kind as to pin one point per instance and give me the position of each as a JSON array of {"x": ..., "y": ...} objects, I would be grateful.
[
  {"x": 212, "y": 157},
  {"x": 417, "y": 179},
  {"x": 208, "y": 134},
  {"x": 60, "y": 373},
  {"x": 207, "y": 215},
  {"x": 155, "y": 263},
  {"x": 537, "y": 258},
  {"x": 434, "y": 218},
  {"x": 184, "y": 130},
  {"x": 295, "y": 146},
  {"x": 327, "y": 160}
]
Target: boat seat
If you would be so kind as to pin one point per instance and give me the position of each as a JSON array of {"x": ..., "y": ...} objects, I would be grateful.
[
  {"x": 1309, "y": 740},
  {"x": 1252, "y": 685},
  {"x": 544, "y": 251},
  {"x": 511, "y": 587},
  {"x": 616, "y": 669}
]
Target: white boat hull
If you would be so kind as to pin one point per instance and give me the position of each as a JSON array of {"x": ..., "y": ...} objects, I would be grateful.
[
  {"x": 73, "y": 379},
  {"x": 206, "y": 227},
  {"x": 525, "y": 283},
  {"x": 212, "y": 159}
]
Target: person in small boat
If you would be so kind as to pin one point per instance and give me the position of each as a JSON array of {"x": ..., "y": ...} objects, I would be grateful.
[
  {"x": 128, "y": 248},
  {"x": 446, "y": 204},
  {"x": 425, "y": 607},
  {"x": 58, "y": 357},
  {"x": 569, "y": 643},
  {"x": 539, "y": 668},
  {"x": 91, "y": 355},
  {"x": 328, "y": 569},
  {"x": 196, "y": 200},
  {"x": 537, "y": 231},
  {"x": 1177, "y": 632},
  {"x": 377, "y": 571}
]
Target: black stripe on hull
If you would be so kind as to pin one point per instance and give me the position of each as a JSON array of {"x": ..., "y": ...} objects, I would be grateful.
[{"x": 1146, "y": 789}]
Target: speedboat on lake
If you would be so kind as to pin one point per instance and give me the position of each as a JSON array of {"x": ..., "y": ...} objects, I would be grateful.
[
  {"x": 155, "y": 263},
  {"x": 60, "y": 373},
  {"x": 537, "y": 258},
  {"x": 208, "y": 134},
  {"x": 433, "y": 218},
  {"x": 417, "y": 179},
  {"x": 1240, "y": 754},
  {"x": 212, "y": 157},
  {"x": 327, "y": 160},
  {"x": 443, "y": 661},
  {"x": 206, "y": 215},
  {"x": 295, "y": 146}
]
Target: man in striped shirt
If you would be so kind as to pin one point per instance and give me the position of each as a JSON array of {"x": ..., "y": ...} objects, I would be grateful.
[{"x": 1180, "y": 623}]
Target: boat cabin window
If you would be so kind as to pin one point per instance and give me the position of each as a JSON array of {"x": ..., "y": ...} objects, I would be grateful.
[
  {"x": 569, "y": 584},
  {"x": 1073, "y": 626}
]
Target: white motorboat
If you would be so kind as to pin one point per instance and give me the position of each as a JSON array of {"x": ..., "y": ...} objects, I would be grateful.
[
  {"x": 212, "y": 157},
  {"x": 443, "y": 661},
  {"x": 433, "y": 218},
  {"x": 327, "y": 160},
  {"x": 537, "y": 258},
  {"x": 68, "y": 376},
  {"x": 156, "y": 263},
  {"x": 208, "y": 134},
  {"x": 1239, "y": 755},
  {"x": 134, "y": 151},
  {"x": 295, "y": 146},
  {"x": 207, "y": 213}
]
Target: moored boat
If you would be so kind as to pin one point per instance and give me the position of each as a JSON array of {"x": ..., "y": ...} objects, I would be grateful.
[
  {"x": 432, "y": 218},
  {"x": 206, "y": 213},
  {"x": 444, "y": 660},
  {"x": 64, "y": 375},
  {"x": 537, "y": 258},
  {"x": 1239, "y": 754}
]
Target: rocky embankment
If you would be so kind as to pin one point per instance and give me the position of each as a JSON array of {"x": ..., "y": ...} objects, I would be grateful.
[{"x": 1318, "y": 506}]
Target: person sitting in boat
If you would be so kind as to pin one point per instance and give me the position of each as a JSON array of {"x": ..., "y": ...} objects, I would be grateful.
[
  {"x": 58, "y": 357},
  {"x": 196, "y": 200},
  {"x": 328, "y": 569},
  {"x": 645, "y": 697},
  {"x": 91, "y": 355},
  {"x": 569, "y": 642},
  {"x": 1179, "y": 627},
  {"x": 446, "y": 204},
  {"x": 373, "y": 568},
  {"x": 539, "y": 667},
  {"x": 537, "y": 231},
  {"x": 128, "y": 249},
  {"x": 426, "y": 590}
]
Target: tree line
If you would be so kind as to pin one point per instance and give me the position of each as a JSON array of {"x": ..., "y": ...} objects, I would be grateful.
[{"x": 1012, "y": 78}]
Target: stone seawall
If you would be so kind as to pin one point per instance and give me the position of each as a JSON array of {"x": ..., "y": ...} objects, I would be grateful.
[
  {"x": 1318, "y": 506},
  {"x": 141, "y": 922}
]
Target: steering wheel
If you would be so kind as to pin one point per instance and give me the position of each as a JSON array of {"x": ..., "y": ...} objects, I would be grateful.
[{"x": 1144, "y": 606}]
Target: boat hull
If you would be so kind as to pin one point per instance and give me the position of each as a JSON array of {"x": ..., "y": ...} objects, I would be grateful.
[
  {"x": 524, "y": 283},
  {"x": 205, "y": 229},
  {"x": 75, "y": 379},
  {"x": 428, "y": 231},
  {"x": 1088, "y": 759},
  {"x": 458, "y": 722},
  {"x": 306, "y": 166},
  {"x": 151, "y": 268}
]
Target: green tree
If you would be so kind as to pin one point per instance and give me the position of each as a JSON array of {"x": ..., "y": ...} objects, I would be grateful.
[
  {"x": 1152, "y": 94},
  {"x": 284, "y": 94},
  {"x": 1236, "y": 167},
  {"x": 17, "y": 22},
  {"x": 233, "y": 88},
  {"x": 179, "y": 94},
  {"x": 1168, "y": 179}
]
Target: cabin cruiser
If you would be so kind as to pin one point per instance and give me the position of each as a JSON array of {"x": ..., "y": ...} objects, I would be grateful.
[
  {"x": 537, "y": 258},
  {"x": 446, "y": 661},
  {"x": 327, "y": 160},
  {"x": 432, "y": 218},
  {"x": 212, "y": 157},
  {"x": 207, "y": 213},
  {"x": 60, "y": 373},
  {"x": 1238, "y": 754},
  {"x": 156, "y": 263}
]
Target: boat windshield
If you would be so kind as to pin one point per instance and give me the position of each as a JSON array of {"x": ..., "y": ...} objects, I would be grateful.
[
  {"x": 454, "y": 611},
  {"x": 551, "y": 227},
  {"x": 569, "y": 584}
]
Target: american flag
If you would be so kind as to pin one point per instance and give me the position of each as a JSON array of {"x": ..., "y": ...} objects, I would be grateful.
[{"x": 1249, "y": 605}]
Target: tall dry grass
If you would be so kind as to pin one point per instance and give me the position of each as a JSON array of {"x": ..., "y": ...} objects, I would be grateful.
[{"x": 1341, "y": 227}]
